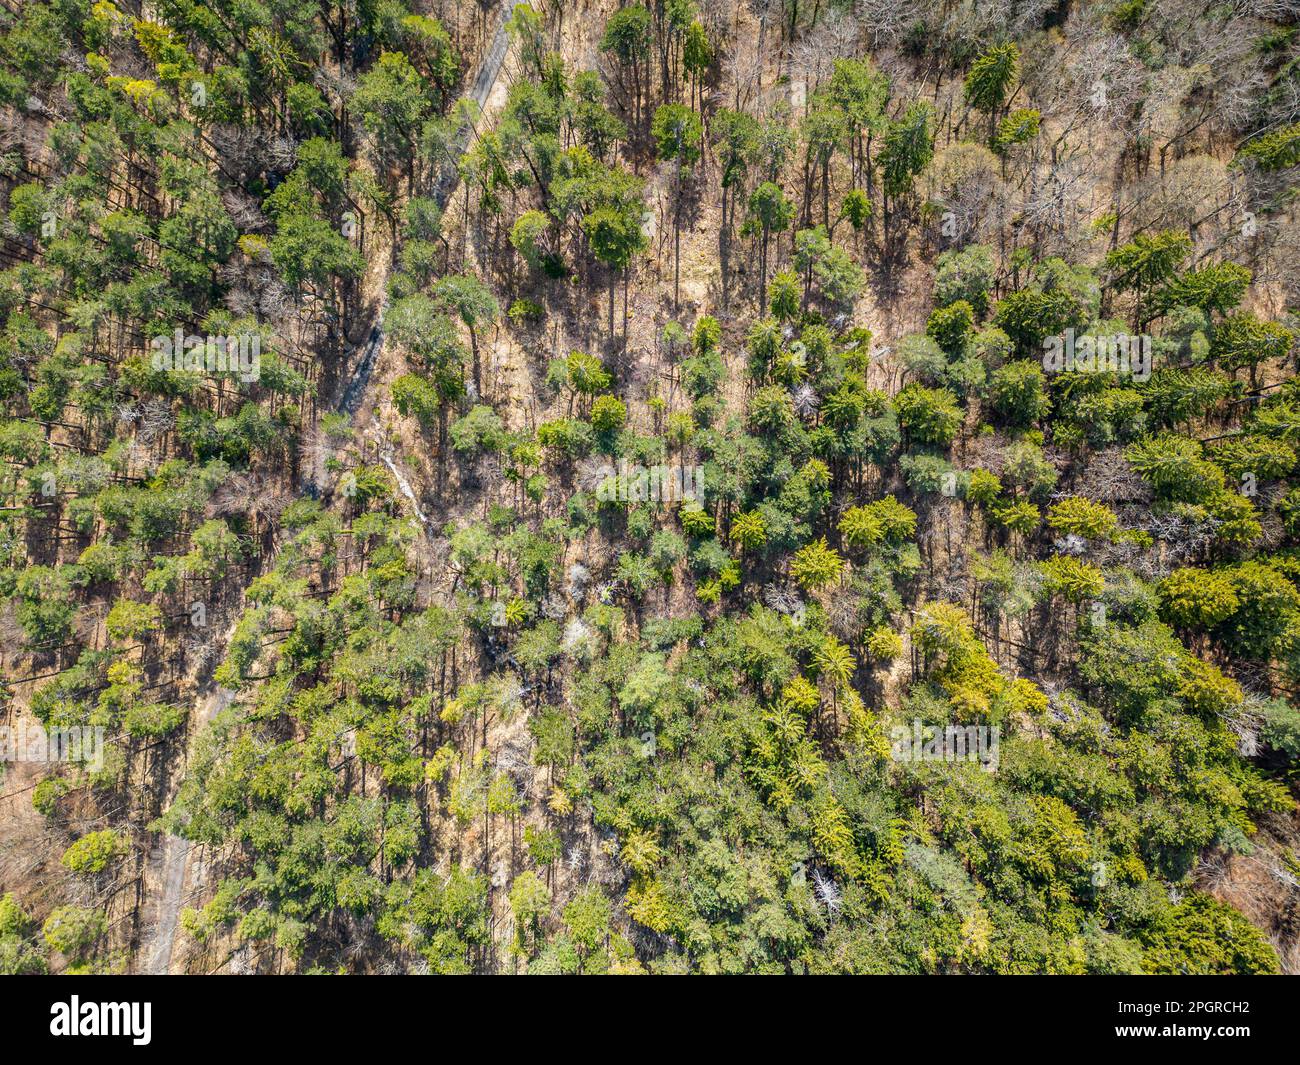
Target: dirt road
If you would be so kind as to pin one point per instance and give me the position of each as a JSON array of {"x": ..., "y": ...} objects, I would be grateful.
[{"x": 169, "y": 864}]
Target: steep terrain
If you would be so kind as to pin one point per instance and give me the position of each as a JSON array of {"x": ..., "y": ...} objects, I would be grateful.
[{"x": 723, "y": 487}]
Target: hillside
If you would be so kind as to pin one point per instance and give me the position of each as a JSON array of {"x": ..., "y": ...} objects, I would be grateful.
[{"x": 693, "y": 486}]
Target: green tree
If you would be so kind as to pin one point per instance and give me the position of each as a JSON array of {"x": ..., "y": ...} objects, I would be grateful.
[
  {"x": 608, "y": 414},
  {"x": 769, "y": 212},
  {"x": 1019, "y": 127},
  {"x": 929, "y": 415},
  {"x": 414, "y": 396},
  {"x": 1018, "y": 393},
  {"x": 749, "y": 531},
  {"x": 783, "y": 296},
  {"x": 860, "y": 91},
  {"x": 472, "y": 301},
  {"x": 1215, "y": 289},
  {"x": 392, "y": 102},
  {"x": 530, "y": 902},
  {"x": 1244, "y": 340},
  {"x": 616, "y": 240},
  {"x": 528, "y": 236},
  {"x": 1203, "y": 936},
  {"x": 951, "y": 326},
  {"x": 697, "y": 56},
  {"x": 95, "y": 852},
  {"x": 966, "y": 275},
  {"x": 1276, "y": 150},
  {"x": 1146, "y": 262},
  {"x": 907, "y": 150},
  {"x": 74, "y": 930},
  {"x": 816, "y": 565},
  {"x": 990, "y": 79},
  {"x": 628, "y": 38},
  {"x": 587, "y": 919},
  {"x": 1084, "y": 517},
  {"x": 679, "y": 137}
]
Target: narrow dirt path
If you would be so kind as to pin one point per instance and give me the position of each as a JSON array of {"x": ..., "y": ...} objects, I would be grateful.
[
  {"x": 354, "y": 393},
  {"x": 170, "y": 863},
  {"x": 171, "y": 858}
]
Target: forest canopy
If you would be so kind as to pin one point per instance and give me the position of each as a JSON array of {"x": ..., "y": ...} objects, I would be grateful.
[{"x": 682, "y": 486}]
